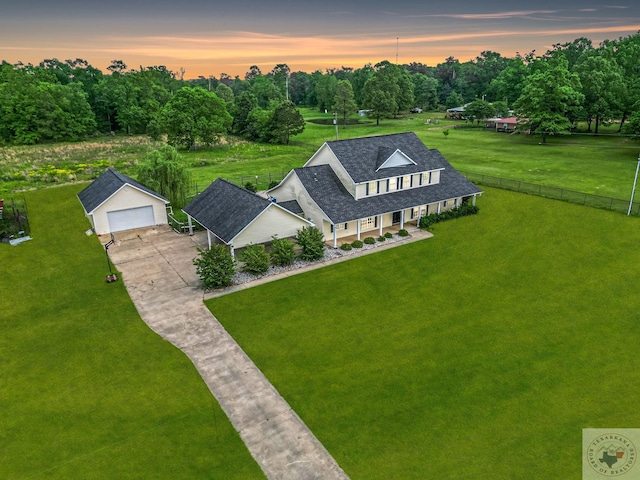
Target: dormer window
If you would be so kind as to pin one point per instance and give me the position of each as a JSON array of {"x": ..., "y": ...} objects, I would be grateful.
[{"x": 390, "y": 159}]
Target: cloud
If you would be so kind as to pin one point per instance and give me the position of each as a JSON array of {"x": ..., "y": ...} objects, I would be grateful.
[{"x": 491, "y": 16}]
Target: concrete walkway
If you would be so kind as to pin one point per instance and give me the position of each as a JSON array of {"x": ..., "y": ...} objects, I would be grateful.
[{"x": 157, "y": 269}]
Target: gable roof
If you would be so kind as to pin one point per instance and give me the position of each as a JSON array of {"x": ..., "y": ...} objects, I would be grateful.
[
  {"x": 226, "y": 209},
  {"x": 324, "y": 187},
  {"x": 107, "y": 185},
  {"x": 363, "y": 157},
  {"x": 388, "y": 159}
]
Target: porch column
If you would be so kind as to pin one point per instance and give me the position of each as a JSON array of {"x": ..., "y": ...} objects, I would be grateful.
[
  {"x": 232, "y": 250},
  {"x": 473, "y": 201},
  {"x": 439, "y": 204},
  {"x": 190, "y": 225},
  {"x": 402, "y": 219},
  {"x": 380, "y": 223},
  {"x": 209, "y": 238},
  {"x": 335, "y": 237},
  {"x": 358, "y": 228}
]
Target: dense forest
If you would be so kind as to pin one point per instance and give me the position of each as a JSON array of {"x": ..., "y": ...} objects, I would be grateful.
[{"x": 71, "y": 100}]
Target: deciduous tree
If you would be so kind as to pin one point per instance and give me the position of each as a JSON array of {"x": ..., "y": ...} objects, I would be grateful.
[
  {"x": 549, "y": 97},
  {"x": 286, "y": 122},
  {"x": 344, "y": 103},
  {"x": 164, "y": 171},
  {"x": 194, "y": 115}
]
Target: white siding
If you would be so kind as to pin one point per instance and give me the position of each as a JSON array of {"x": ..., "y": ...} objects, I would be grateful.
[
  {"x": 126, "y": 198},
  {"x": 291, "y": 189},
  {"x": 324, "y": 156},
  {"x": 272, "y": 221}
]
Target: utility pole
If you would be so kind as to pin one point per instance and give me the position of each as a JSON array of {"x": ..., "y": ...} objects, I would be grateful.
[
  {"x": 633, "y": 190},
  {"x": 397, "y": 40}
]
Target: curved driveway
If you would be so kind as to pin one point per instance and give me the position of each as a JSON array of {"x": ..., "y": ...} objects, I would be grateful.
[{"x": 157, "y": 269}]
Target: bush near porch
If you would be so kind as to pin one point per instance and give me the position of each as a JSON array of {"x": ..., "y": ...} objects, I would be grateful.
[
  {"x": 475, "y": 354},
  {"x": 88, "y": 390}
]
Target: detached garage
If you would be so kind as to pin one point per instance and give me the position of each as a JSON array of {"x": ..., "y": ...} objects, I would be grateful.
[{"x": 114, "y": 202}]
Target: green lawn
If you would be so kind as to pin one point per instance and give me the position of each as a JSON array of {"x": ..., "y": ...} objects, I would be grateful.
[
  {"x": 87, "y": 389},
  {"x": 479, "y": 354},
  {"x": 600, "y": 165}
]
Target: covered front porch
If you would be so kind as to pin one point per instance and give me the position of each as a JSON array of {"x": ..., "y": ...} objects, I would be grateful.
[{"x": 393, "y": 229}]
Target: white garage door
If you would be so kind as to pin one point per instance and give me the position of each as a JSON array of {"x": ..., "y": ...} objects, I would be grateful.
[{"x": 130, "y": 218}]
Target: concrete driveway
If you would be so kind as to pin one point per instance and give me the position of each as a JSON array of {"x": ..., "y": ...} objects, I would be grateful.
[{"x": 157, "y": 269}]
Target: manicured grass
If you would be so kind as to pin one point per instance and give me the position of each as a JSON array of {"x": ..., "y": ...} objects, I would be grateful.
[
  {"x": 88, "y": 390},
  {"x": 478, "y": 354},
  {"x": 600, "y": 165},
  {"x": 603, "y": 165}
]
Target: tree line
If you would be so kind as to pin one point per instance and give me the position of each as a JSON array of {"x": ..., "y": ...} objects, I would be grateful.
[{"x": 70, "y": 100}]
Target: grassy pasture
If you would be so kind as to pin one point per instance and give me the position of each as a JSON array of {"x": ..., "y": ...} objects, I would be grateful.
[
  {"x": 601, "y": 165},
  {"x": 480, "y": 353},
  {"x": 88, "y": 390}
]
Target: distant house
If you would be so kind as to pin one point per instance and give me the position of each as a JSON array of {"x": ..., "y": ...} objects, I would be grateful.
[
  {"x": 360, "y": 186},
  {"x": 113, "y": 202},
  {"x": 456, "y": 113},
  {"x": 237, "y": 217},
  {"x": 508, "y": 124}
]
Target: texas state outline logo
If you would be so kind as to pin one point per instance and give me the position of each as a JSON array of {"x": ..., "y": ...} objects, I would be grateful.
[{"x": 610, "y": 453}]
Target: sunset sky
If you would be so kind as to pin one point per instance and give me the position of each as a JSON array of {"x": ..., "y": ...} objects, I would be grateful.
[{"x": 211, "y": 37}]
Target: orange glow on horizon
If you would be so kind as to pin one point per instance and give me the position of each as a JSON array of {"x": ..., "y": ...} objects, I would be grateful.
[{"x": 234, "y": 52}]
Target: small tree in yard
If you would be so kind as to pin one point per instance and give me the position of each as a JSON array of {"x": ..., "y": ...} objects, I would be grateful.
[
  {"x": 255, "y": 259},
  {"x": 165, "y": 172},
  {"x": 311, "y": 241},
  {"x": 215, "y": 266},
  {"x": 282, "y": 252}
]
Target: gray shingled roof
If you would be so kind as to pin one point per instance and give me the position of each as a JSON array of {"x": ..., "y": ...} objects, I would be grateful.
[
  {"x": 338, "y": 204},
  {"x": 293, "y": 206},
  {"x": 226, "y": 209},
  {"x": 105, "y": 186},
  {"x": 362, "y": 156}
]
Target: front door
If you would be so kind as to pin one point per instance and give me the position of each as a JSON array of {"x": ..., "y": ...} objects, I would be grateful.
[{"x": 397, "y": 216}]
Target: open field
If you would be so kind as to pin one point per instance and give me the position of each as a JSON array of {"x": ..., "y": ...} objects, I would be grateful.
[
  {"x": 480, "y": 353},
  {"x": 602, "y": 165},
  {"x": 88, "y": 390}
]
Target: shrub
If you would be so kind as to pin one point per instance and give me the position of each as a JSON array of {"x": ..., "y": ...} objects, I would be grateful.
[
  {"x": 461, "y": 211},
  {"x": 369, "y": 240},
  {"x": 282, "y": 252},
  {"x": 403, "y": 233},
  {"x": 273, "y": 184},
  {"x": 346, "y": 247},
  {"x": 388, "y": 235},
  {"x": 357, "y": 244},
  {"x": 381, "y": 238},
  {"x": 215, "y": 266},
  {"x": 311, "y": 241},
  {"x": 251, "y": 187},
  {"x": 255, "y": 259}
]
